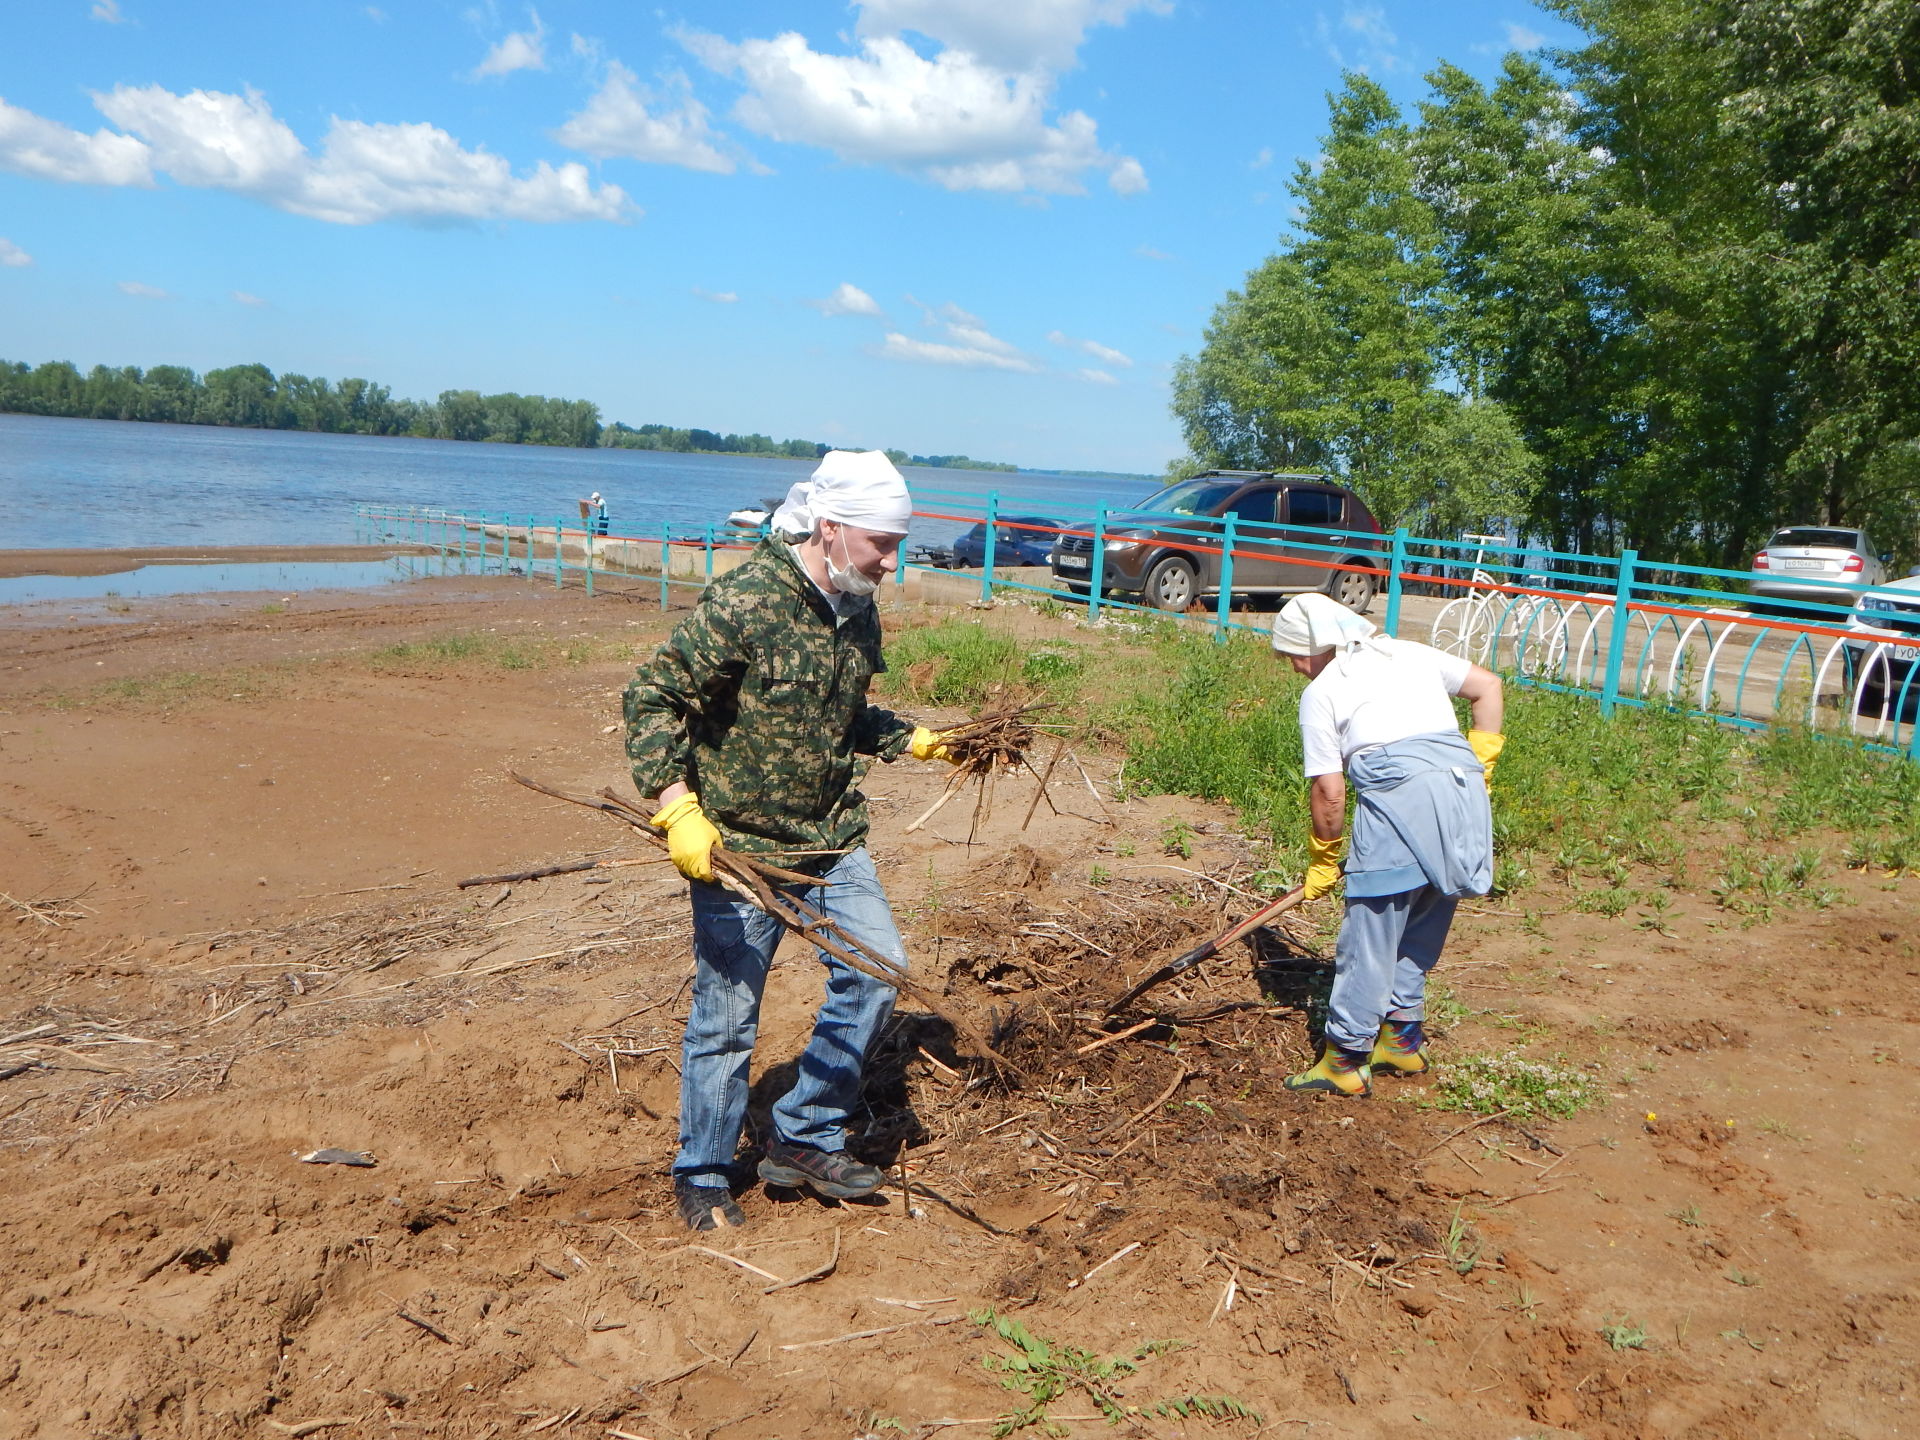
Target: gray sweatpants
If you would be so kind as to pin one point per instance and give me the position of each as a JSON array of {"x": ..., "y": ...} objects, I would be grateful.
[{"x": 1387, "y": 945}]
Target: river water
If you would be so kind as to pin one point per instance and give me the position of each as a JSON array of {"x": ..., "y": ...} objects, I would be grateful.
[{"x": 122, "y": 483}]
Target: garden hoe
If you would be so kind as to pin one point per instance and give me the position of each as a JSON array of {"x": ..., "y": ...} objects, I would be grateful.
[{"x": 1211, "y": 948}]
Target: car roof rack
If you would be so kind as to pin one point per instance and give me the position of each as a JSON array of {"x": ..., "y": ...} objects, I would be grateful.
[{"x": 1271, "y": 474}]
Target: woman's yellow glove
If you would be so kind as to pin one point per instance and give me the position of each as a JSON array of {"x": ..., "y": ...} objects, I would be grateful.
[
  {"x": 1486, "y": 749},
  {"x": 691, "y": 837},
  {"x": 1323, "y": 865},
  {"x": 930, "y": 745}
]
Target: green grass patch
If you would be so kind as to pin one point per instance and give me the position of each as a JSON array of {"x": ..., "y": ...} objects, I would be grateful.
[
  {"x": 966, "y": 663},
  {"x": 162, "y": 691},
  {"x": 462, "y": 650},
  {"x": 1510, "y": 1081}
]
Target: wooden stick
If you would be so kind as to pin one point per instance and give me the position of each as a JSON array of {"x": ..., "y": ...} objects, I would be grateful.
[
  {"x": 1058, "y": 751},
  {"x": 833, "y": 1263},
  {"x": 571, "y": 867},
  {"x": 428, "y": 1326},
  {"x": 868, "y": 1334},
  {"x": 1159, "y": 1100},
  {"x": 1105, "y": 1040},
  {"x": 954, "y": 782},
  {"x": 312, "y": 1427},
  {"x": 1451, "y": 1134},
  {"x": 743, "y": 1264}
]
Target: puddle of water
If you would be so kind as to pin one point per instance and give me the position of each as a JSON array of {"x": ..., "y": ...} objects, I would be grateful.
[{"x": 287, "y": 577}]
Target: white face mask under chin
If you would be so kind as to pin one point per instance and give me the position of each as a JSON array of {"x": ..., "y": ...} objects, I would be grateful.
[{"x": 847, "y": 580}]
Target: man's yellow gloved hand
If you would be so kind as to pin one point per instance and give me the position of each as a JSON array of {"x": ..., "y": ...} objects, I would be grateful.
[
  {"x": 690, "y": 837},
  {"x": 930, "y": 745},
  {"x": 1486, "y": 749},
  {"x": 1323, "y": 865}
]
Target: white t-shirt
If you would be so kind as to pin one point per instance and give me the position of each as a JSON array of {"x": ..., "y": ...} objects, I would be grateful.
[{"x": 1368, "y": 698}]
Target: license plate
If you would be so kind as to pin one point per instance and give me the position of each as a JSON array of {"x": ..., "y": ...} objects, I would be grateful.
[
  {"x": 1804, "y": 564},
  {"x": 1073, "y": 562}
]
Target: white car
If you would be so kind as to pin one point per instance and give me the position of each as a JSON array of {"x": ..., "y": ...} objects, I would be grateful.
[
  {"x": 1817, "y": 564},
  {"x": 1886, "y": 656}
]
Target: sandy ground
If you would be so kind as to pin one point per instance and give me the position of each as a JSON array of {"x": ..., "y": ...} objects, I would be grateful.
[{"x": 230, "y": 838}]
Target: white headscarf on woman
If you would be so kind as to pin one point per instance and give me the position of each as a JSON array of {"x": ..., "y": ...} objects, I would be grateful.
[
  {"x": 1312, "y": 624},
  {"x": 854, "y": 487}
]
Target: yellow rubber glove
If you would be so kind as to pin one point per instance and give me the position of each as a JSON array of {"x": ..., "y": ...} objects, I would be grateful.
[
  {"x": 690, "y": 837},
  {"x": 1486, "y": 749},
  {"x": 930, "y": 745},
  {"x": 1323, "y": 865}
]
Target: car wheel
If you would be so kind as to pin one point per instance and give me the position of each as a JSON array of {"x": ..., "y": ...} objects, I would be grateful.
[
  {"x": 1172, "y": 585},
  {"x": 1352, "y": 589}
]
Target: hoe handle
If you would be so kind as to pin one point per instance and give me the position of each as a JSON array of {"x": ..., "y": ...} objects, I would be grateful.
[{"x": 1211, "y": 947}]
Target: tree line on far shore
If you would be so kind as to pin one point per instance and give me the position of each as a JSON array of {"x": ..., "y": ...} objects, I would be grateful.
[
  {"x": 1657, "y": 290},
  {"x": 253, "y": 397}
]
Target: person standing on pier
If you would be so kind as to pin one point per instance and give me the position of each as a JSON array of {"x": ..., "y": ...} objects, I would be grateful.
[{"x": 749, "y": 727}]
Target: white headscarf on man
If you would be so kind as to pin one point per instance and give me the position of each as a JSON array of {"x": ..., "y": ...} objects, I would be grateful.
[
  {"x": 854, "y": 487},
  {"x": 1312, "y": 624}
]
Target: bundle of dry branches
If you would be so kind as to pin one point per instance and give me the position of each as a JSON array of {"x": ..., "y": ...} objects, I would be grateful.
[
  {"x": 981, "y": 750},
  {"x": 771, "y": 889}
]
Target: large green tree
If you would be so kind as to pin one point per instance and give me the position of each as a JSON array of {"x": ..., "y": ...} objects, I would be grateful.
[{"x": 1334, "y": 354}]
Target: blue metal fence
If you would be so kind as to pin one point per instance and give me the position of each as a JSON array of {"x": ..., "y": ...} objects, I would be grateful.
[{"x": 1621, "y": 629}]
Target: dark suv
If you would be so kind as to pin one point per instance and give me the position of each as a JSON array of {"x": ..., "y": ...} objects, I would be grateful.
[{"x": 1147, "y": 558}]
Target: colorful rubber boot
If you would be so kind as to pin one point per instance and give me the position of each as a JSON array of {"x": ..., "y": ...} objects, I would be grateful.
[
  {"x": 1400, "y": 1049},
  {"x": 1339, "y": 1072}
]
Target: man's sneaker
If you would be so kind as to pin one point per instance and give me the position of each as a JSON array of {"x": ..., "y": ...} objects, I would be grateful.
[
  {"x": 1400, "y": 1049},
  {"x": 1339, "y": 1072},
  {"x": 706, "y": 1207},
  {"x": 835, "y": 1175}
]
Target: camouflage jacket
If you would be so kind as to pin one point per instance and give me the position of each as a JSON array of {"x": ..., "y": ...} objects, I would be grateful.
[{"x": 758, "y": 700}]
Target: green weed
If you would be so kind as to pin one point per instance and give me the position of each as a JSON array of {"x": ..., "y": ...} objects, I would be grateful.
[
  {"x": 1043, "y": 1371},
  {"x": 1623, "y": 1333},
  {"x": 1461, "y": 1246},
  {"x": 1176, "y": 838},
  {"x": 1487, "y": 1084}
]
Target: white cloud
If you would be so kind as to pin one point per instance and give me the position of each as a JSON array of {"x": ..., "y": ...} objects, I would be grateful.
[
  {"x": 1035, "y": 34},
  {"x": 364, "y": 172},
  {"x": 848, "y": 300},
  {"x": 1378, "y": 43},
  {"x": 719, "y": 297},
  {"x": 967, "y": 343},
  {"x": 254, "y": 301},
  {"x": 109, "y": 11},
  {"x": 144, "y": 292},
  {"x": 617, "y": 121},
  {"x": 12, "y": 257},
  {"x": 47, "y": 150},
  {"x": 1523, "y": 37},
  {"x": 930, "y": 352},
  {"x": 1147, "y": 252},
  {"x": 1262, "y": 160},
  {"x": 1098, "y": 377},
  {"x": 973, "y": 116},
  {"x": 376, "y": 14},
  {"x": 1105, "y": 354},
  {"x": 521, "y": 50}
]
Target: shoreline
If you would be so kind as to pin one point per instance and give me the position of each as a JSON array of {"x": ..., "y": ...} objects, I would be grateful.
[{"x": 115, "y": 560}]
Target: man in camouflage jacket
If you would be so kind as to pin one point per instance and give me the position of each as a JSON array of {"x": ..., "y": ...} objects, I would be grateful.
[{"x": 751, "y": 725}]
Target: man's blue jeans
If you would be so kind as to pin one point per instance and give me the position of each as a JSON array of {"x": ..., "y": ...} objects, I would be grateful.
[{"x": 733, "y": 945}]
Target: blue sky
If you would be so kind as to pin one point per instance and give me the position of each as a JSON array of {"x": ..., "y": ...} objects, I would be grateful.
[{"x": 947, "y": 225}]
